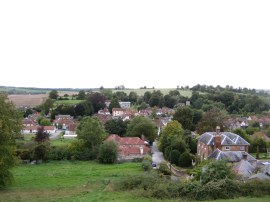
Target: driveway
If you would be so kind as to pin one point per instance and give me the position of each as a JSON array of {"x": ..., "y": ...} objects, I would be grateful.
[
  {"x": 55, "y": 135},
  {"x": 157, "y": 156}
]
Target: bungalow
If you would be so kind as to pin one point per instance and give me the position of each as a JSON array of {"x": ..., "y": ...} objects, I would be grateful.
[
  {"x": 28, "y": 122},
  {"x": 34, "y": 129},
  {"x": 125, "y": 105},
  {"x": 130, "y": 147}
]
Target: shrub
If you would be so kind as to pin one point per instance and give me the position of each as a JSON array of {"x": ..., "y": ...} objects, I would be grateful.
[
  {"x": 108, "y": 152},
  {"x": 163, "y": 168},
  {"x": 146, "y": 165},
  {"x": 185, "y": 160},
  {"x": 175, "y": 156},
  {"x": 255, "y": 188},
  {"x": 215, "y": 171}
]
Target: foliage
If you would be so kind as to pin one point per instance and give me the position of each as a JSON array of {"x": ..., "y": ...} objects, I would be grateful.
[
  {"x": 84, "y": 109},
  {"x": 53, "y": 94},
  {"x": 142, "y": 126},
  {"x": 41, "y": 135},
  {"x": 10, "y": 125},
  {"x": 108, "y": 152},
  {"x": 146, "y": 165},
  {"x": 133, "y": 96},
  {"x": 216, "y": 170},
  {"x": 114, "y": 104},
  {"x": 210, "y": 120},
  {"x": 41, "y": 151},
  {"x": 116, "y": 126},
  {"x": 185, "y": 159},
  {"x": 156, "y": 99},
  {"x": 174, "y": 157},
  {"x": 91, "y": 132},
  {"x": 163, "y": 169},
  {"x": 184, "y": 115},
  {"x": 242, "y": 133},
  {"x": 81, "y": 95},
  {"x": 98, "y": 101},
  {"x": 45, "y": 122}
]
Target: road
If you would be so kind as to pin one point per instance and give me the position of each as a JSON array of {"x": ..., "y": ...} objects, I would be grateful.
[{"x": 157, "y": 156}]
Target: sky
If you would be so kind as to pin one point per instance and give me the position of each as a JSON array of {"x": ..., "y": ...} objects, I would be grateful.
[{"x": 161, "y": 44}]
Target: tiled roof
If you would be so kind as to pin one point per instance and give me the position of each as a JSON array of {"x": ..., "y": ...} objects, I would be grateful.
[
  {"x": 133, "y": 150},
  {"x": 227, "y": 138},
  {"x": 243, "y": 168},
  {"x": 232, "y": 156},
  {"x": 126, "y": 140}
]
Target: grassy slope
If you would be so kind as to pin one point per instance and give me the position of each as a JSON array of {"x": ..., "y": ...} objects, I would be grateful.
[
  {"x": 67, "y": 102},
  {"x": 140, "y": 92},
  {"x": 77, "y": 181}
]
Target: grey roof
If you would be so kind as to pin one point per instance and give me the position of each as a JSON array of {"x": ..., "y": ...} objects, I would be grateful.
[
  {"x": 266, "y": 169},
  {"x": 244, "y": 168},
  {"x": 259, "y": 176},
  {"x": 232, "y": 156},
  {"x": 227, "y": 138}
]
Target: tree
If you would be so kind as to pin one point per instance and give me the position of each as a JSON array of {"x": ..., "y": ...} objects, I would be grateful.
[
  {"x": 98, "y": 101},
  {"x": 142, "y": 126},
  {"x": 185, "y": 159},
  {"x": 116, "y": 126},
  {"x": 45, "y": 122},
  {"x": 114, "y": 104},
  {"x": 147, "y": 96},
  {"x": 81, "y": 95},
  {"x": 216, "y": 170},
  {"x": 41, "y": 135},
  {"x": 210, "y": 120},
  {"x": 156, "y": 99},
  {"x": 53, "y": 94},
  {"x": 133, "y": 96},
  {"x": 84, "y": 109},
  {"x": 108, "y": 152},
  {"x": 10, "y": 126},
  {"x": 91, "y": 132},
  {"x": 170, "y": 101},
  {"x": 184, "y": 115}
]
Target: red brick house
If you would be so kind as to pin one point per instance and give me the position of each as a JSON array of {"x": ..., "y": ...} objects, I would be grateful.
[
  {"x": 220, "y": 143},
  {"x": 129, "y": 147}
]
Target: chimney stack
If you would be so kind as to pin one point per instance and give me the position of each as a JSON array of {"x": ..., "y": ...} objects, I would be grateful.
[{"x": 217, "y": 139}]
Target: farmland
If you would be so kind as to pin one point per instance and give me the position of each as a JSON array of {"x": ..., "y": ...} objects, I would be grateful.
[{"x": 28, "y": 100}]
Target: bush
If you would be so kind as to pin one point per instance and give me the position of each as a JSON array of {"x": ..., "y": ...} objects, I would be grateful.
[
  {"x": 175, "y": 157},
  {"x": 255, "y": 188},
  {"x": 59, "y": 153},
  {"x": 185, "y": 160},
  {"x": 146, "y": 165},
  {"x": 163, "y": 168},
  {"x": 108, "y": 152}
]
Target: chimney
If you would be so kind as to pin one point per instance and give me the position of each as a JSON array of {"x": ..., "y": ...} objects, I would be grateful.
[
  {"x": 217, "y": 139},
  {"x": 244, "y": 156}
]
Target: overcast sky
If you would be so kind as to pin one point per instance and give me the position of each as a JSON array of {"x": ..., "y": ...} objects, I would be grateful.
[{"x": 85, "y": 44}]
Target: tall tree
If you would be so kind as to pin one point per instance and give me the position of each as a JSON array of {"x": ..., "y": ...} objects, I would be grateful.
[
  {"x": 98, "y": 101},
  {"x": 53, "y": 94},
  {"x": 91, "y": 132},
  {"x": 184, "y": 115},
  {"x": 84, "y": 109},
  {"x": 10, "y": 126},
  {"x": 210, "y": 120},
  {"x": 114, "y": 104},
  {"x": 81, "y": 95},
  {"x": 142, "y": 126},
  {"x": 116, "y": 126},
  {"x": 133, "y": 96}
]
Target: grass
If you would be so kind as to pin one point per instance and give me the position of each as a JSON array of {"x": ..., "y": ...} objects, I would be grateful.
[
  {"x": 164, "y": 91},
  {"x": 67, "y": 102},
  {"x": 61, "y": 142},
  {"x": 78, "y": 181}
]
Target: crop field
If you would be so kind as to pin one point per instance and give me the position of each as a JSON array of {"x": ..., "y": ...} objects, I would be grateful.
[
  {"x": 28, "y": 100},
  {"x": 67, "y": 102}
]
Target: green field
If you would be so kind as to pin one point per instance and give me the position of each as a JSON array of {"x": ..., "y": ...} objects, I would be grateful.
[
  {"x": 78, "y": 181},
  {"x": 67, "y": 102},
  {"x": 164, "y": 91}
]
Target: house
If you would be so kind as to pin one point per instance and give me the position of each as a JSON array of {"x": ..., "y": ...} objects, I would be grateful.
[
  {"x": 129, "y": 148},
  {"x": 34, "y": 129},
  {"x": 209, "y": 142},
  {"x": 103, "y": 118},
  {"x": 125, "y": 105},
  {"x": 63, "y": 121},
  {"x": 28, "y": 122},
  {"x": 244, "y": 168},
  {"x": 104, "y": 111},
  {"x": 120, "y": 112}
]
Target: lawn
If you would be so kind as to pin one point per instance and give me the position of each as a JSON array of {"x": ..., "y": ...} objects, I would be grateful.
[{"x": 78, "y": 181}]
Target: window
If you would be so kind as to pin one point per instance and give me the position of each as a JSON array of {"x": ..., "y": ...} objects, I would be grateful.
[
  {"x": 242, "y": 148},
  {"x": 227, "y": 148}
]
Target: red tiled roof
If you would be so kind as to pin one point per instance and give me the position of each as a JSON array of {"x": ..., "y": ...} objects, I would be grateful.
[{"x": 133, "y": 150}]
